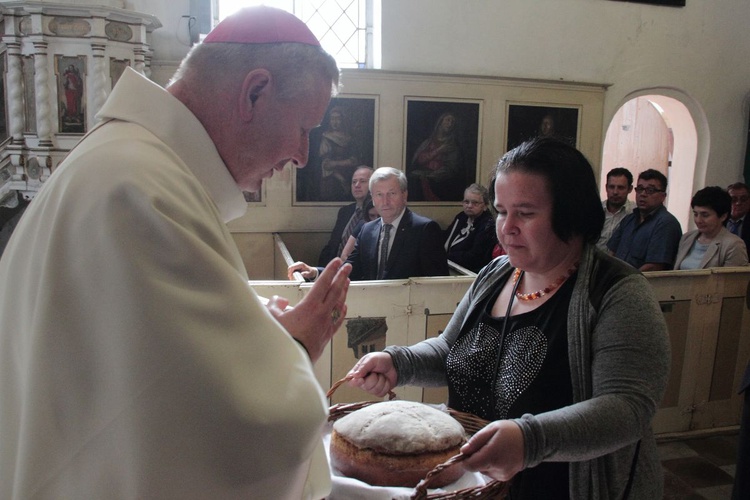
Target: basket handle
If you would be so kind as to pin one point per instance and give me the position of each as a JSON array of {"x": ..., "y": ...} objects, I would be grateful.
[
  {"x": 420, "y": 491},
  {"x": 493, "y": 490},
  {"x": 391, "y": 394}
]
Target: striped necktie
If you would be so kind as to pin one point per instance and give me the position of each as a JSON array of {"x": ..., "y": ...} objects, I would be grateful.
[{"x": 384, "y": 250}]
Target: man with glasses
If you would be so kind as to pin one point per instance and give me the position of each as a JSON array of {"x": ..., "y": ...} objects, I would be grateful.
[
  {"x": 740, "y": 195},
  {"x": 648, "y": 238},
  {"x": 470, "y": 238},
  {"x": 617, "y": 205}
]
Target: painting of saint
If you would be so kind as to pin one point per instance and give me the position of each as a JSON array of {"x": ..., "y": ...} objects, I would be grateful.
[
  {"x": 527, "y": 121},
  {"x": 441, "y": 160},
  {"x": 70, "y": 77},
  {"x": 343, "y": 142}
]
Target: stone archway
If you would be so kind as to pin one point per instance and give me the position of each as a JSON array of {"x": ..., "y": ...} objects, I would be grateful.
[{"x": 656, "y": 130}]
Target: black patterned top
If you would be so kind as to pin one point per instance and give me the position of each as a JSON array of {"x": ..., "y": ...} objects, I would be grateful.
[{"x": 498, "y": 374}]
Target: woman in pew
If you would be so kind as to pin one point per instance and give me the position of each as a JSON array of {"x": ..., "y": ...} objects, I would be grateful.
[
  {"x": 562, "y": 348},
  {"x": 370, "y": 215},
  {"x": 711, "y": 245}
]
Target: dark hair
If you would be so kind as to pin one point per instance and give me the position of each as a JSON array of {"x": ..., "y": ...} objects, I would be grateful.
[
  {"x": 366, "y": 207},
  {"x": 738, "y": 185},
  {"x": 621, "y": 172},
  {"x": 576, "y": 207},
  {"x": 651, "y": 174},
  {"x": 713, "y": 197}
]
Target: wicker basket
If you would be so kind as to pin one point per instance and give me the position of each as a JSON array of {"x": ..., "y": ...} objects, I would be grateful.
[{"x": 495, "y": 490}]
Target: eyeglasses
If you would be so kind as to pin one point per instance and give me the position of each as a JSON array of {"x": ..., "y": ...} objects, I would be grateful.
[
  {"x": 740, "y": 199},
  {"x": 473, "y": 203},
  {"x": 648, "y": 190}
]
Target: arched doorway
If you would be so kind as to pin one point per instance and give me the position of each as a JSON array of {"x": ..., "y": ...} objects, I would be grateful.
[{"x": 655, "y": 130}]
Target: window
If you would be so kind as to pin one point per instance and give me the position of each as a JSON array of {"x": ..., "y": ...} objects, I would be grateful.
[{"x": 344, "y": 27}]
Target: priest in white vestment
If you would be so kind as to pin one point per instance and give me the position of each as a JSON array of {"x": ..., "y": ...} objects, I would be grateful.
[{"x": 135, "y": 359}]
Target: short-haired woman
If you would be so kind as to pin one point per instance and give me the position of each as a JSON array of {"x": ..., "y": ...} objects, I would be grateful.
[
  {"x": 563, "y": 348},
  {"x": 711, "y": 244}
]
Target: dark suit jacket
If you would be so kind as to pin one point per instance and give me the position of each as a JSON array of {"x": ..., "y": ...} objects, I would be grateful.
[
  {"x": 475, "y": 251},
  {"x": 745, "y": 232},
  {"x": 417, "y": 250},
  {"x": 331, "y": 249}
]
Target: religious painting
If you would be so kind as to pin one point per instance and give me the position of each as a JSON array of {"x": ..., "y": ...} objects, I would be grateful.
[
  {"x": 71, "y": 90},
  {"x": 363, "y": 335},
  {"x": 116, "y": 69},
  {"x": 442, "y": 139},
  {"x": 527, "y": 121},
  {"x": 344, "y": 141},
  {"x": 3, "y": 99},
  {"x": 29, "y": 94}
]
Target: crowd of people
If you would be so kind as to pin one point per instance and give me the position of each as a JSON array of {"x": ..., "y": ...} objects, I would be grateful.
[
  {"x": 537, "y": 344},
  {"x": 649, "y": 237},
  {"x": 137, "y": 361},
  {"x": 642, "y": 233}
]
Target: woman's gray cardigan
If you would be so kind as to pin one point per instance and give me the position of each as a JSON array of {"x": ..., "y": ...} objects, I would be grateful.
[{"x": 619, "y": 358}]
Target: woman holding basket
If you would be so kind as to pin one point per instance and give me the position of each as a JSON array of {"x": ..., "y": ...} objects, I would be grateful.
[{"x": 563, "y": 348}]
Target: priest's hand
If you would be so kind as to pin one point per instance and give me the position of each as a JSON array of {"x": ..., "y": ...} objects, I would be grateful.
[{"x": 318, "y": 316}]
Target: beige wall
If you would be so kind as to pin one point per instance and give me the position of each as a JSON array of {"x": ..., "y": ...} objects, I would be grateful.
[{"x": 697, "y": 53}]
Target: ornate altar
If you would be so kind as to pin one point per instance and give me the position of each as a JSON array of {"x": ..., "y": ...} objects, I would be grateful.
[{"x": 59, "y": 62}]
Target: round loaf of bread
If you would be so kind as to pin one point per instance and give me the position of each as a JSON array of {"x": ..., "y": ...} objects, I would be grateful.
[{"x": 396, "y": 443}]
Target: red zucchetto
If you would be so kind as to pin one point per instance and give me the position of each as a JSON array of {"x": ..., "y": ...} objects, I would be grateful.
[{"x": 261, "y": 24}]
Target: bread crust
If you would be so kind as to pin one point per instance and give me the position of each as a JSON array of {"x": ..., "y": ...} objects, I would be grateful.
[
  {"x": 396, "y": 443},
  {"x": 380, "y": 469}
]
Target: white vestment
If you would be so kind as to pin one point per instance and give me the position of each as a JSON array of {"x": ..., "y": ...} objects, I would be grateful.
[{"x": 135, "y": 359}]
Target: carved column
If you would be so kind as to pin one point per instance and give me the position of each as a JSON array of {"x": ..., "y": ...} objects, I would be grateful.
[
  {"x": 139, "y": 60},
  {"x": 15, "y": 93},
  {"x": 98, "y": 78},
  {"x": 41, "y": 87}
]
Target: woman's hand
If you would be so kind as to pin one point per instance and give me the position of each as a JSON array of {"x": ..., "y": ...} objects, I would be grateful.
[
  {"x": 374, "y": 373},
  {"x": 496, "y": 450}
]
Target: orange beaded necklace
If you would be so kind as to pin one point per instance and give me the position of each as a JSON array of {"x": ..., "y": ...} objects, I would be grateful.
[{"x": 541, "y": 293}]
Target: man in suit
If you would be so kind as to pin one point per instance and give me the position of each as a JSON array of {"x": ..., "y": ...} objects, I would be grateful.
[
  {"x": 400, "y": 244},
  {"x": 348, "y": 217},
  {"x": 736, "y": 223}
]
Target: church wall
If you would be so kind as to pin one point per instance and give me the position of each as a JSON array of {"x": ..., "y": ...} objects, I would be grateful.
[
  {"x": 699, "y": 50},
  {"x": 696, "y": 52}
]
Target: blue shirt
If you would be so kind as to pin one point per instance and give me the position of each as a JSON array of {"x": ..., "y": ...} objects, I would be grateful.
[{"x": 653, "y": 241}]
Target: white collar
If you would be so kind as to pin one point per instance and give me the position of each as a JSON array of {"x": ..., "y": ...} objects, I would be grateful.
[
  {"x": 397, "y": 220},
  {"x": 138, "y": 100}
]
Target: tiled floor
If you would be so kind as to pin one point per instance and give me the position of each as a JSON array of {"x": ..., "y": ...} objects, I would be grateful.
[{"x": 699, "y": 468}]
